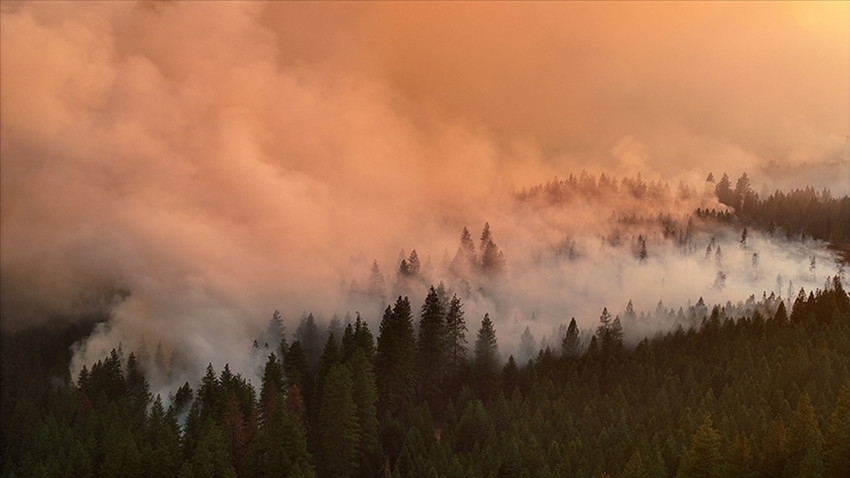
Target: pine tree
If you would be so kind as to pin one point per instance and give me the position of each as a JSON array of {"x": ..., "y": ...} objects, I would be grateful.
[
  {"x": 724, "y": 192},
  {"x": 377, "y": 285},
  {"x": 211, "y": 456},
  {"x": 162, "y": 438},
  {"x": 455, "y": 338},
  {"x": 275, "y": 335},
  {"x": 338, "y": 432},
  {"x": 430, "y": 349},
  {"x": 365, "y": 396},
  {"x": 804, "y": 436},
  {"x": 702, "y": 459},
  {"x": 138, "y": 390},
  {"x": 467, "y": 247},
  {"x": 634, "y": 467},
  {"x": 280, "y": 446},
  {"x": 570, "y": 347},
  {"x": 492, "y": 260},
  {"x": 394, "y": 359},
  {"x": 363, "y": 338},
  {"x": 331, "y": 356},
  {"x": 609, "y": 333},
  {"x": 837, "y": 443},
  {"x": 775, "y": 450},
  {"x": 527, "y": 346},
  {"x": 486, "y": 357},
  {"x": 740, "y": 459},
  {"x": 307, "y": 334}
]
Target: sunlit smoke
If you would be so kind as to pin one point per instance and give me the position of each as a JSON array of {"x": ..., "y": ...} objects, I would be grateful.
[{"x": 218, "y": 161}]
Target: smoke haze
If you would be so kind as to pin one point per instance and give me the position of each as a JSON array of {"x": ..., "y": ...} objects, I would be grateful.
[{"x": 221, "y": 160}]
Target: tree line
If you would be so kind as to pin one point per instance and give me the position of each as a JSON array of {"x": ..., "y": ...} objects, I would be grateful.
[{"x": 761, "y": 395}]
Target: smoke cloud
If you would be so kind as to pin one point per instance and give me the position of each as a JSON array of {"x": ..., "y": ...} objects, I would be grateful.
[{"x": 217, "y": 161}]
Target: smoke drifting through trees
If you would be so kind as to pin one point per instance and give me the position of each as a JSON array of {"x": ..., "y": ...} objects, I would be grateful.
[{"x": 209, "y": 167}]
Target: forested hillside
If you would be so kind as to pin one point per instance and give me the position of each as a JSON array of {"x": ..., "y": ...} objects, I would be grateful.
[{"x": 766, "y": 395}]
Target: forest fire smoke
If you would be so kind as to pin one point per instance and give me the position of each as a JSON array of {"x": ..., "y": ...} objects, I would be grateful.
[{"x": 218, "y": 161}]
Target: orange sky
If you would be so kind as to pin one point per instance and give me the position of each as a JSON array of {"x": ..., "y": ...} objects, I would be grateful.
[
  {"x": 694, "y": 82},
  {"x": 222, "y": 159}
]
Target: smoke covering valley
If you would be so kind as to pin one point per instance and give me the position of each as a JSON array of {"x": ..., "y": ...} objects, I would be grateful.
[{"x": 192, "y": 167}]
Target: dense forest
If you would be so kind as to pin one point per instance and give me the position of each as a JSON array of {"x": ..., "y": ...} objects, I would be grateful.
[
  {"x": 758, "y": 390},
  {"x": 767, "y": 395}
]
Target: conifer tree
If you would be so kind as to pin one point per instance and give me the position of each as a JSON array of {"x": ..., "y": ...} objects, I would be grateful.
[
  {"x": 377, "y": 285},
  {"x": 394, "y": 360},
  {"x": 634, "y": 467},
  {"x": 571, "y": 343},
  {"x": 275, "y": 336},
  {"x": 526, "y": 345},
  {"x": 702, "y": 459},
  {"x": 740, "y": 459},
  {"x": 365, "y": 396},
  {"x": 609, "y": 333},
  {"x": 492, "y": 260},
  {"x": 837, "y": 443},
  {"x": 804, "y": 437},
  {"x": 486, "y": 357},
  {"x": 775, "y": 450},
  {"x": 338, "y": 433},
  {"x": 455, "y": 337},
  {"x": 430, "y": 349},
  {"x": 311, "y": 343}
]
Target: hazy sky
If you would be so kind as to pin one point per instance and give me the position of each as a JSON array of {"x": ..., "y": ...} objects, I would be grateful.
[
  {"x": 690, "y": 85},
  {"x": 222, "y": 159}
]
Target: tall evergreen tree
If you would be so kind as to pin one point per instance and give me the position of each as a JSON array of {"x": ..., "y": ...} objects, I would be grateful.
[
  {"x": 486, "y": 357},
  {"x": 338, "y": 431},
  {"x": 609, "y": 333},
  {"x": 275, "y": 336},
  {"x": 724, "y": 192},
  {"x": 365, "y": 396},
  {"x": 307, "y": 334},
  {"x": 702, "y": 459},
  {"x": 430, "y": 349},
  {"x": 804, "y": 437},
  {"x": 570, "y": 347},
  {"x": 837, "y": 443},
  {"x": 394, "y": 360},
  {"x": 377, "y": 286},
  {"x": 280, "y": 447},
  {"x": 492, "y": 260},
  {"x": 455, "y": 337}
]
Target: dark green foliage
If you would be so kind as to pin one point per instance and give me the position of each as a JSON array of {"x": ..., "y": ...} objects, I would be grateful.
[
  {"x": 486, "y": 358},
  {"x": 430, "y": 351},
  {"x": 394, "y": 360},
  {"x": 837, "y": 446},
  {"x": 338, "y": 426},
  {"x": 777, "y": 392},
  {"x": 307, "y": 334},
  {"x": 798, "y": 212},
  {"x": 571, "y": 345},
  {"x": 609, "y": 334},
  {"x": 456, "y": 344},
  {"x": 365, "y": 396},
  {"x": 703, "y": 459}
]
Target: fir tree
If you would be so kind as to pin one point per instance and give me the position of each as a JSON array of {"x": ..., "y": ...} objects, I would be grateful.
[
  {"x": 394, "y": 359},
  {"x": 702, "y": 459},
  {"x": 486, "y": 357},
  {"x": 570, "y": 347},
  {"x": 338, "y": 431},
  {"x": 430, "y": 349}
]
